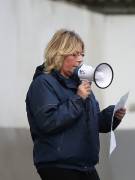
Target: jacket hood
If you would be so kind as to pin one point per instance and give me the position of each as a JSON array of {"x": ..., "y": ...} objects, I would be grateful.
[{"x": 38, "y": 71}]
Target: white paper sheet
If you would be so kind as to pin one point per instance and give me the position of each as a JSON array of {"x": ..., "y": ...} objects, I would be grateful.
[
  {"x": 112, "y": 142},
  {"x": 121, "y": 104}
]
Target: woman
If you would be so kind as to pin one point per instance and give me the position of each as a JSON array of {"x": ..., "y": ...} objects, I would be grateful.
[{"x": 63, "y": 114}]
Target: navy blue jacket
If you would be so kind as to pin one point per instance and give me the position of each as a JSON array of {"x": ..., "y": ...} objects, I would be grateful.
[{"x": 64, "y": 127}]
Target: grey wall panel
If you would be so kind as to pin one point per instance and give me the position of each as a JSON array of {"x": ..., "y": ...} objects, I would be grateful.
[{"x": 16, "y": 155}]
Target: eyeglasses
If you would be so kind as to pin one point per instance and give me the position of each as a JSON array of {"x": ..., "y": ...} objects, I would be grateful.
[{"x": 78, "y": 54}]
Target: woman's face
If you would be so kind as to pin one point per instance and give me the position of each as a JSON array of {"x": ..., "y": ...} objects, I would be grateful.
[{"x": 70, "y": 63}]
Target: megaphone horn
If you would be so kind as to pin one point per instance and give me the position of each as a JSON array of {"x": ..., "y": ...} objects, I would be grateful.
[{"x": 102, "y": 75}]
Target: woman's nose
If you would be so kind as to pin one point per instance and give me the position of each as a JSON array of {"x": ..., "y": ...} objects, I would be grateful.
[
  {"x": 78, "y": 63},
  {"x": 79, "y": 60}
]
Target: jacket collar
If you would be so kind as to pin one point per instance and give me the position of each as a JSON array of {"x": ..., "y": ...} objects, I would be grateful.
[{"x": 72, "y": 82}]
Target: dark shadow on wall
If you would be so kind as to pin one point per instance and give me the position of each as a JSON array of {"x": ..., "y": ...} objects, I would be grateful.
[{"x": 16, "y": 161}]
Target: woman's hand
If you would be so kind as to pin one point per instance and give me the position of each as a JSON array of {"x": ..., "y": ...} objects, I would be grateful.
[
  {"x": 120, "y": 113},
  {"x": 84, "y": 89}
]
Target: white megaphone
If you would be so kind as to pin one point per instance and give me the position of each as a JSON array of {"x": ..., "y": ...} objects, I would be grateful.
[{"x": 102, "y": 75}]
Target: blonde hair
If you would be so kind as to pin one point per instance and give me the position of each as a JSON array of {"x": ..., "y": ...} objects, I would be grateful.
[{"x": 62, "y": 44}]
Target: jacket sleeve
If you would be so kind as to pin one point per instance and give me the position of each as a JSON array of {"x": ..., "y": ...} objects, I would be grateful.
[
  {"x": 51, "y": 115},
  {"x": 105, "y": 119}
]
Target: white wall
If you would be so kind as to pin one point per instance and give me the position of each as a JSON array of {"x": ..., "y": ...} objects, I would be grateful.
[
  {"x": 26, "y": 27},
  {"x": 120, "y": 52}
]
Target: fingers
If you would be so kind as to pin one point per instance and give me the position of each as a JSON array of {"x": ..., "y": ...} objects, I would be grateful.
[
  {"x": 84, "y": 89},
  {"x": 120, "y": 113},
  {"x": 86, "y": 86}
]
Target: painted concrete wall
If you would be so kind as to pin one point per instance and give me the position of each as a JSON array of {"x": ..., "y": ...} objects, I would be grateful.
[{"x": 26, "y": 27}]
